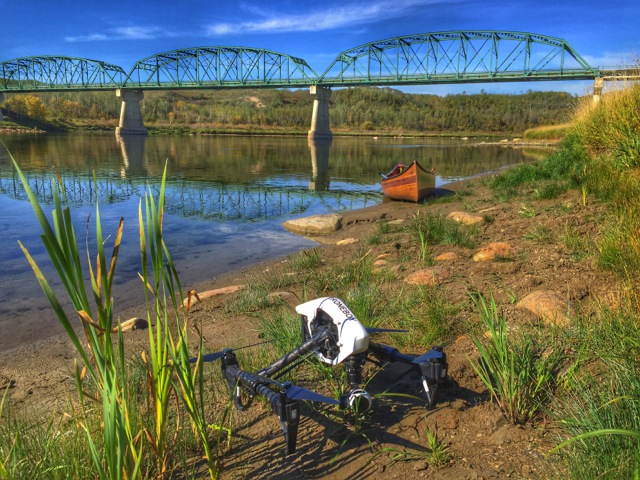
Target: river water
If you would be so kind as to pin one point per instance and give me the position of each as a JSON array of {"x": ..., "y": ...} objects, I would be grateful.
[{"x": 226, "y": 199}]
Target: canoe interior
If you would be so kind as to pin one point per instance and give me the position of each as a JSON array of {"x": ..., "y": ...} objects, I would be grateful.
[{"x": 411, "y": 183}]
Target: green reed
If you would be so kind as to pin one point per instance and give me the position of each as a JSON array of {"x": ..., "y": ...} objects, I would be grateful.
[
  {"x": 518, "y": 376},
  {"x": 117, "y": 450}
]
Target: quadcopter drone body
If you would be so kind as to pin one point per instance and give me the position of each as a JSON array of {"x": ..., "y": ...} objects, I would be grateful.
[{"x": 332, "y": 333}]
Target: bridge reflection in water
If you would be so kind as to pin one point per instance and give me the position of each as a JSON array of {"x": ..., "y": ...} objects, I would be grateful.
[
  {"x": 236, "y": 178},
  {"x": 192, "y": 192}
]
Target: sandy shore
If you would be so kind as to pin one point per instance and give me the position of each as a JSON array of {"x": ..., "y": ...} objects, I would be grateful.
[{"x": 482, "y": 442}]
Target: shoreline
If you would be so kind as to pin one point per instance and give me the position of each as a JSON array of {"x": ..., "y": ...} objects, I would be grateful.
[
  {"x": 231, "y": 276},
  {"x": 58, "y": 351},
  {"x": 40, "y": 380}
]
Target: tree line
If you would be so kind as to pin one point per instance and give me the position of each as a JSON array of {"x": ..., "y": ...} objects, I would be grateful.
[{"x": 352, "y": 109}]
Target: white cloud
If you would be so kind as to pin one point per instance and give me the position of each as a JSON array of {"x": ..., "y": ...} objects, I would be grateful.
[
  {"x": 131, "y": 32},
  {"x": 324, "y": 19},
  {"x": 612, "y": 59}
]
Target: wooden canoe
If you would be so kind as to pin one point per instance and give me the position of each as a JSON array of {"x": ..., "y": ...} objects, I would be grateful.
[{"x": 411, "y": 183}]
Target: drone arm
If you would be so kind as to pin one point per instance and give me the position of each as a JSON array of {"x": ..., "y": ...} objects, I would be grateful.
[
  {"x": 431, "y": 365},
  {"x": 389, "y": 354},
  {"x": 308, "y": 346}
]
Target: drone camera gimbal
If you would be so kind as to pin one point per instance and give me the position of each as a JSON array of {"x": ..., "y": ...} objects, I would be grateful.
[{"x": 332, "y": 333}]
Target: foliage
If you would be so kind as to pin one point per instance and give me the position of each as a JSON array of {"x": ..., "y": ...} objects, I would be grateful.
[
  {"x": 439, "y": 230},
  {"x": 600, "y": 410},
  {"x": 26, "y": 105},
  {"x": 118, "y": 453},
  {"x": 364, "y": 109},
  {"x": 518, "y": 375}
]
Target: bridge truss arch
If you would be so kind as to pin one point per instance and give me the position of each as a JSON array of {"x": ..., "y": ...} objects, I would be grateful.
[
  {"x": 458, "y": 57},
  {"x": 58, "y": 73},
  {"x": 220, "y": 67}
]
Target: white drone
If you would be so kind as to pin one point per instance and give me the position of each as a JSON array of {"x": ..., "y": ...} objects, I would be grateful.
[{"x": 332, "y": 332}]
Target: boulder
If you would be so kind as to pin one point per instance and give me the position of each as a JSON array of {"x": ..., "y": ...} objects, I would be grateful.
[
  {"x": 429, "y": 276},
  {"x": 315, "y": 225},
  {"x": 466, "y": 218},
  {"x": 551, "y": 307},
  {"x": 492, "y": 251},
  {"x": 446, "y": 257},
  {"x": 132, "y": 324}
]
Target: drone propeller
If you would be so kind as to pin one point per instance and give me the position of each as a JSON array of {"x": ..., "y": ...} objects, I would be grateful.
[
  {"x": 384, "y": 330},
  {"x": 209, "y": 357},
  {"x": 299, "y": 393}
]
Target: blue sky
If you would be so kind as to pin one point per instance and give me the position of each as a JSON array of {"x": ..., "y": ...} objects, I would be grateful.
[{"x": 605, "y": 33}]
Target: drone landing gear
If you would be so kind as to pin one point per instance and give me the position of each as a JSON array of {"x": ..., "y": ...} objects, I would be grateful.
[
  {"x": 285, "y": 401},
  {"x": 357, "y": 399}
]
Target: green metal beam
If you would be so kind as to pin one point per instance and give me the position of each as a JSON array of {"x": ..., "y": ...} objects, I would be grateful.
[
  {"x": 220, "y": 67},
  {"x": 474, "y": 56},
  {"x": 55, "y": 73}
]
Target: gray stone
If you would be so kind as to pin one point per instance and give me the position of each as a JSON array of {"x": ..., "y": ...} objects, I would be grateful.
[{"x": 315, "y": 225}]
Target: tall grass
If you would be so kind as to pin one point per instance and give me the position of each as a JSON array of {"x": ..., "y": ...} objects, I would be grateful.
[
  {"x": 600, "y": 412},
  {"x": 612, "y": 127},
  {"x": 110, "y": 413},
  {"x": 117, "y": 451},
  {"x": 599, "y": 406},
  {"x": 547, "y": 132},
  {"x": 518, "y": 375}
]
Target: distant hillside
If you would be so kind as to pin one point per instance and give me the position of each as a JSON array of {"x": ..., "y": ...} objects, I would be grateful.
[{"x": 353, "y": 110}]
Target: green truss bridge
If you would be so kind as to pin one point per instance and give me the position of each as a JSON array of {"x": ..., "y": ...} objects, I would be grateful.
[{"x": 422, "y": 59}]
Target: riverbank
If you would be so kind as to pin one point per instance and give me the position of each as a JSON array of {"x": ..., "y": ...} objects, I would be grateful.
[{"x": 543, "y": 255}]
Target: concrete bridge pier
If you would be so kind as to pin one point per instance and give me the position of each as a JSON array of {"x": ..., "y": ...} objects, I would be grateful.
[
  {"x": 130, "y": 115},
  {"x": 1, "y": 100},
  {"x": 598, "y": 83},
  {"x": 320, "y": 127}
]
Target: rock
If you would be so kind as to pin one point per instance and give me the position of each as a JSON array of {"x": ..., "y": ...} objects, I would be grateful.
[
  {"x": 289, "y": 298},
  {"x": 446, "y": 257},
  {"x": 429, "y": 276},
  {"x": 492, "y": 251},
  {"x": 347, "y": 241},
  {"x": 501, "y": 436},
  {"x": 210, "y": 293},
  {"x": 397, "y": 221},
  {"x": 549, "y": 306},
  {"x": 132, "y": 324},
  {"x": 380, "y": 263},
  {"x": 466, "y": 218},
  {"x": 315, "y": 225}
]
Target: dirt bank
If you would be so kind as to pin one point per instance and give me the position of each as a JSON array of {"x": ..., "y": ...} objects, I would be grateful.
[{"x": 482, "y": 443}]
